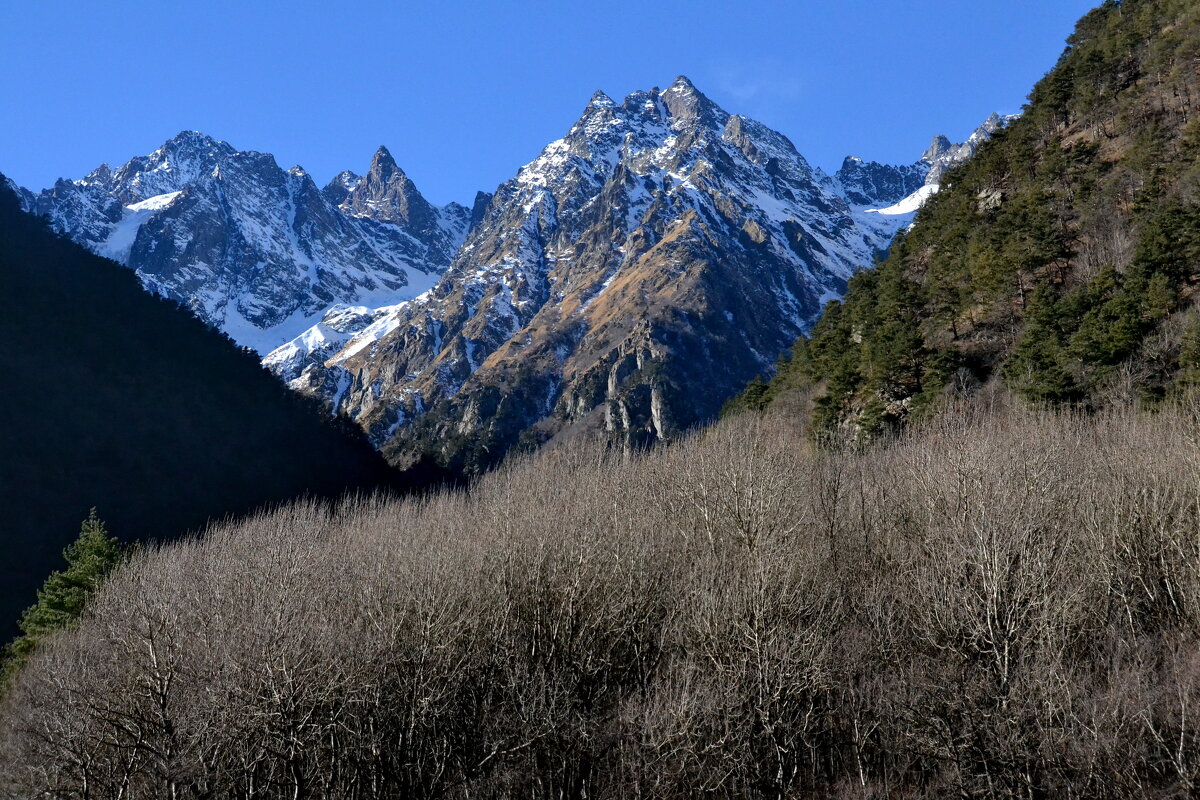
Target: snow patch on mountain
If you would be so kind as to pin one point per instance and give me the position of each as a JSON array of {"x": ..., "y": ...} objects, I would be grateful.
[
  {"x": 910, "y": 204},
  {"x": 119, "y": 242}
]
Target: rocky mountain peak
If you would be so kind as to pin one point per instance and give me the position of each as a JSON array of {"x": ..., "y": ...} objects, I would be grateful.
[
  {"x": 190, "y": 147},
  {"x": 937, "y": 148},
  {"x": 100, "y": 176},
  {"x": 182, "y": 159},
  {"x": 194, "y": 139},
  {"x": 600, "y": 100},
  {"x": 340, "y": 187},
  {"x": 943, "y": 155},
  {"x": 875, "y": 185},
  {"x": 24, "y": 196},
  {"x": 596, "y": 119},
  {"x": 688, "y": 104},
  {"x": 644, "y": 104},
  {"x": 683, "y": 84},
  {"x": 479, "y": 207},
  {"x": 253, "y": 249},
  {"x": 993, "y": 123},
  {"x": 386, "y": 193},
  {"x": 383, "y": 165}
]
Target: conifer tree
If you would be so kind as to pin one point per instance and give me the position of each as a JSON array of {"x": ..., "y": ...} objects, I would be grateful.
[{"x": 60, "y": 601}]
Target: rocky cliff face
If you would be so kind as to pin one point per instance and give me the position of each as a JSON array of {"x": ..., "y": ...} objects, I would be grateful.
[
  {"x": 874, "y": 185},
  {"x": 629, "y": 279},
  {"x": 257, "y": 251},
  {"x": 869, "y": 183},
  {"x": 943, "y": 155}
]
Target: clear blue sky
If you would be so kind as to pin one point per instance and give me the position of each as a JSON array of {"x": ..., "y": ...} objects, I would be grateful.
[{"x": 463, "y": 93}]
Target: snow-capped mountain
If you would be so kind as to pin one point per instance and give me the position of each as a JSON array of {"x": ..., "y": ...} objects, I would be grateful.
[
  {"x": 942, "y": 155},
  {"x": 860, "y": 179},
  {"x": 630, "y": 278},
  {"x": 255, "y": 250}
]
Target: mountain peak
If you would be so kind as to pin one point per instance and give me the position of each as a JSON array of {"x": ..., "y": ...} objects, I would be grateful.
[
  {"x": 386, "y": 193},
  {"x": 600, "y": 100},
  {"x": 100, "y": 176},
  {"x": 340, "y": 187},
  {"x": 196, "y": 140},
  {"x": 383, "y": 165},
  {"x": 686, "y": 102},
  {"x": 944, "y": 154},
  {"x": 938, "y": 147},
  {"x": 683, "y": 83}
]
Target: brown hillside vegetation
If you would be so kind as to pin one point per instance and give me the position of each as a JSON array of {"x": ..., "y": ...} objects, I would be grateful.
[{"x": 1000, "y": 603}]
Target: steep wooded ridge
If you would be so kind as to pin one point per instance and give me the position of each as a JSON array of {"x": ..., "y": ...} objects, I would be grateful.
[
  {"x": 1064, "y": 257},
  {"x": 123, "y": 401},
  {"x": 628, "y": 280}
]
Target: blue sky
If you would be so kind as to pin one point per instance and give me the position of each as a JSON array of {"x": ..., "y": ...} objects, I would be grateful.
[{"x": 463, "y": 93}]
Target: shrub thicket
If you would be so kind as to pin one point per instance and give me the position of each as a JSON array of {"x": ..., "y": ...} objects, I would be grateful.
[{"x": 999, "y": 604}]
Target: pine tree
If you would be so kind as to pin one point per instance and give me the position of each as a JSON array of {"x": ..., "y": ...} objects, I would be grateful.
[
  {"x": 1161, "y": 297},
  {"x": 1036, "y": 368},
  {"x": 752, "y": 398},
  {"x": 60, "y": 601}
]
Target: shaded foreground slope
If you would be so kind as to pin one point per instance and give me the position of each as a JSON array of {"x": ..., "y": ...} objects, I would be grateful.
[
  {"x": 122, "y": 401},
  {"x": 1004, "y": 605}
]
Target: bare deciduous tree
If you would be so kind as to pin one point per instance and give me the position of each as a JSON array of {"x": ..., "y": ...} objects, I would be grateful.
[{"x": 1001, "y": 603}]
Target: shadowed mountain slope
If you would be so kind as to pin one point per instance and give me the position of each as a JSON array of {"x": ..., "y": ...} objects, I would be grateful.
[{"x": 162, "y": 436}]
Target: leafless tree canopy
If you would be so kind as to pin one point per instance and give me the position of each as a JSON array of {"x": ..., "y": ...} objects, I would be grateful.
[{"x": 996, "y": 605}]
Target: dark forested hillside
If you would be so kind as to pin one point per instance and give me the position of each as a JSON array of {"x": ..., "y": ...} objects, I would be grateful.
[
  {"x": 118, "y": 400},
  {"x": 1063, "y": 259}
]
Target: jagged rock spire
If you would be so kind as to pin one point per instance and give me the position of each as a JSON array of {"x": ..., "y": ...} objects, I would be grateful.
[{"x": 386, "y": 193}]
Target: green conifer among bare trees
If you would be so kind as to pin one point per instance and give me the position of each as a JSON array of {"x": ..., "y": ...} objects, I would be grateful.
[{"x": 61, "y": 600}]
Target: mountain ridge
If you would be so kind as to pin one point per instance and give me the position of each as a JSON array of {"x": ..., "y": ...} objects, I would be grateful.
[
  {"x": 256, "y": 251},
  {"x": 439, "y": 301},
  {"x": 630, "y": 180}
]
